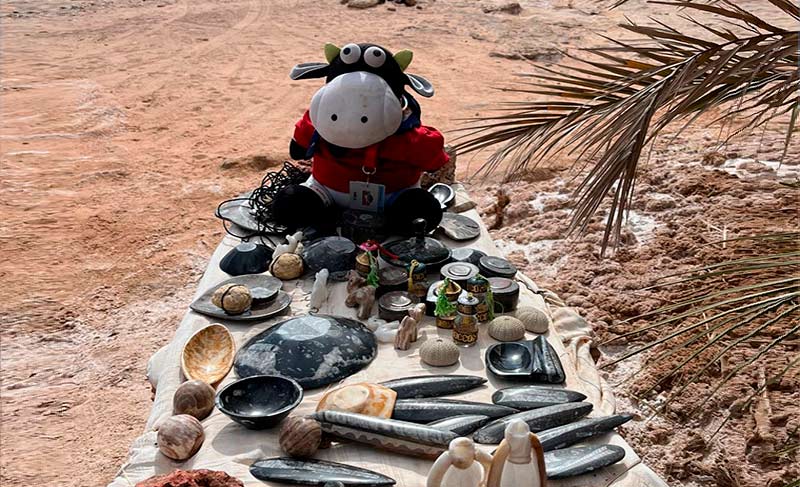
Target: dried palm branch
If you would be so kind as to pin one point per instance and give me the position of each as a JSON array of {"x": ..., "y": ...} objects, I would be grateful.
[
  {"x": 606, "y": 109},
  {"x": 748, "y": 306}
]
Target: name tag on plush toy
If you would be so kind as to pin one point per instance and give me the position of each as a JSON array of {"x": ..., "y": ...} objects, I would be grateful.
[{"x": 367, "y": 196}]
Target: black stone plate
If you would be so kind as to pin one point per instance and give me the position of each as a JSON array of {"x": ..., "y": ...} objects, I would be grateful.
[
  {"x": 240, "y": 212},
  {"x": 459, "y": 227},
  {"x": 313, "y": 350},
  {"x": 262, "y": 286},
  {"x": 315, "y": 472}
]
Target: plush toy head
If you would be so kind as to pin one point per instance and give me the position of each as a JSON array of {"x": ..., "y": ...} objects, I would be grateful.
[{"x": 363, "y": 100}]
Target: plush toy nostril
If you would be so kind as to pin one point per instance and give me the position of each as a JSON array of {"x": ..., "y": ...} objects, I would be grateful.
[
  {"x": 364, "y": 119},
  {"x": 334, "y": 117}
]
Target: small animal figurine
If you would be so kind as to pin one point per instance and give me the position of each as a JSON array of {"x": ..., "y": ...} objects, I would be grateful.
[
  {"x": 462, "y": 465},
  {"x": 408, "y": 331},
  {"x": 387, "y": 332},
  {"x": 292, "y": 245},
  {"x": 362, "y": 298},
  {"x": 355, "y": 281},
  {"x": 319, "y": 292},
  {"x": 519, "y": 460}
]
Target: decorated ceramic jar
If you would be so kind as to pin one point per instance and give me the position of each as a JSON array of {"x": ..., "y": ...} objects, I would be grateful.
[{"x": 465, "y": 327}]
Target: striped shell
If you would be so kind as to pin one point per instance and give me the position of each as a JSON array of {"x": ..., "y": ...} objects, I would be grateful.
[
  {"x": 533, "y": 318},
  {"x": 233, "y": 298},
  {"x": 300, "y": 437},
  {"x": 179, "y": 437},
  {"x": 439, "y": 353},
  {"x": 506, "y": 329}
]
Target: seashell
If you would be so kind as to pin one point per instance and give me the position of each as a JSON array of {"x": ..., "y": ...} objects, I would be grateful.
[
  {"x": 208, "y": 354},
  {"x": 234, "y": 299},
  {"x": 287, "y": 266},
  {"x": 439, "y": 353},
  {"x": 300, "y": 436},
  {"x": 179, "y": 437},
  {"x": 506, "y": 329},
  {"x": 533, "y": 318},
  {"x": 195, "y": 398},
  {"x": 363, "y": 398}
]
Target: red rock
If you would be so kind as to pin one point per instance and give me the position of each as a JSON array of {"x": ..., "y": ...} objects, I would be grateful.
[{"x": 192, "y": 478}]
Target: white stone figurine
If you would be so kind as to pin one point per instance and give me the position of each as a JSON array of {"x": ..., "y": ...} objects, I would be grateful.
[
  {"x": 319, "y": 292},
  {"x": 462, "y": 465},
  {"x": 519, "y": 460},
  {"x": 292, "y": 245}
]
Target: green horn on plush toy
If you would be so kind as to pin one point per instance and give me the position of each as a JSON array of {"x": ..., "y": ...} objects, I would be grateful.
[{"x": 403, "y": 57}]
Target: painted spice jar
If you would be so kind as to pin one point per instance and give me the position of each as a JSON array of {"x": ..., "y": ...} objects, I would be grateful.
[
  {"x": 418, "y": 279},
  {"x": 479, "y": 287},
  {"x": 465, "y": 328},
  {"x": 445, "y": 311}
]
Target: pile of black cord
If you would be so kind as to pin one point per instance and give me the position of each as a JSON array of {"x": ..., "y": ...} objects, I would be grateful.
[{"x": 260, "y": 200}]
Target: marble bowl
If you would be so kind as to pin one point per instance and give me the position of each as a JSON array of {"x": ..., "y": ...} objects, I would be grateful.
[
  {"x": 260, "y": 401},
  {"x": 246, "y": 258},
  {"x": 208, "y": 355}
]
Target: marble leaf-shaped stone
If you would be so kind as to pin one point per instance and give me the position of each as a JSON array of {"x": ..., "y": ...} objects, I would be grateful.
[
  {"x": 461, "y": 425},
  {"x": 537, "y": 419},
  {"x": 532, "y": 397},
  {"x": 572, "y": 433},
  {"x": 427, "y": 410},
  {"x": 421, "y": 386}
]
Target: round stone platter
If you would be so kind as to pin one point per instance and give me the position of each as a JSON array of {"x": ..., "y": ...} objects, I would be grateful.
[
  {"x": 262, "y": 286},
  {"x": 314, "y": 350},
  {"x": 459, "y": 227}
]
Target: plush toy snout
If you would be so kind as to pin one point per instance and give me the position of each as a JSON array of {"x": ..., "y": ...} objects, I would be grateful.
[{"x": 355, "y": 110}]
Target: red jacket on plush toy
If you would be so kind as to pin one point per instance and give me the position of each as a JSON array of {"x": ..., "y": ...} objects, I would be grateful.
[{"x": 367, "y": 144}]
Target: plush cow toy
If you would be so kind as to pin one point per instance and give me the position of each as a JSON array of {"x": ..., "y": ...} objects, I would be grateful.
[{"x": 367, "y": 144}]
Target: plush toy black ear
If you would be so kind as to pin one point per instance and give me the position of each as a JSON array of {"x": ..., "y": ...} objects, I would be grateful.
[
  {"x": 309, "y": 70},
  {"x": 420, "y": 85}
]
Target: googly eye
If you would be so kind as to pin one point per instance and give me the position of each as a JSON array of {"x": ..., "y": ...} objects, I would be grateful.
[
  {"x": 350, "y": 53},
  {"x": 375, "y": 57}
]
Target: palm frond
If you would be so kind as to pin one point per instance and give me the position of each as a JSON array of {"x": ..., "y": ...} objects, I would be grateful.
[
  {"x": 735, "y": 306},
  {"x": 608, "y": 107}
]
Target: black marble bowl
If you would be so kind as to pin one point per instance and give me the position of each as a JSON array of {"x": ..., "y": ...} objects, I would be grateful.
[
  {"x": 531, "y": 360},
  {"x": 246, "y": 258},
  {"x": 260, "y": 401}
]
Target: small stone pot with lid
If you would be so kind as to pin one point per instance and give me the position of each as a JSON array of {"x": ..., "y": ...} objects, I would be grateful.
[{"x": 492, "y": 266}]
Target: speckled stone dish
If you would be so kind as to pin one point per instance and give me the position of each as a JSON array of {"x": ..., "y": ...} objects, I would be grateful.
[
  {"x": 260, "y": 401},
  {"x": 313, "y": 350}
]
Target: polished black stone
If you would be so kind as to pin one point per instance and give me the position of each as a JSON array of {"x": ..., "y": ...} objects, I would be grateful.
[
  {"x": 459, "y": 227},
  {"x": 461, "y": 425},
  {"x": 532, "y": 397},
  {"x": 492, "y": 266},
  {"x": 313, "y": 350},
  {"x": 337, "y": 254},
  {"x": 466, "y": 254},
  {"x": 259, "y": 402},
  {"x": 315, "y": 472},
  {"x": 360, "y": 226},
  {"x": 433, "y": 385},
  {"x": 246, "y": 258},
  {"x": 578, "y": 460},
  {"x": 533, "y": 360},
  {"x": 572, "y": 433},
  {"x": 427, "y": 410},
  {"x": 537, "y": 420}
]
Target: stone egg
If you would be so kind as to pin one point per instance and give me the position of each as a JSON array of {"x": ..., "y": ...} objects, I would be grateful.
[
  {"x": 180, "y": 437},
  {"x": 300, "y": 437},
  {"x": 287, "y": 267},
  {"x": 195, "y": 398}
]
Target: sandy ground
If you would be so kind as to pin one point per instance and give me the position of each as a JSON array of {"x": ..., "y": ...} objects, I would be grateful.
[{"x": 125, "y": 122}]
